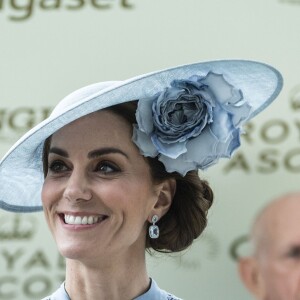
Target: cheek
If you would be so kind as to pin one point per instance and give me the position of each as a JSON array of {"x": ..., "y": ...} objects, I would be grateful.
[
  {"x": 282, "y": 282},
  {"x": 49, "y": 194},
  {"x": 45, "y": 201},
  {"x": 46, "y": 196},
  {"x": 133, "y": 198}
]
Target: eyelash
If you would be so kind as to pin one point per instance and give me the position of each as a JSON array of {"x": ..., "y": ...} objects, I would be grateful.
[
  {"x": 58, "y": 166},
  {"x": 53, "y": 166},
  {"x": 106, "y": 164}
]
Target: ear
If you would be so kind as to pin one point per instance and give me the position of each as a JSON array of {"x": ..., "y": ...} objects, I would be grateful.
[
  {"x": 249, "y": 272},
  {"x": 165, "y": 191}
]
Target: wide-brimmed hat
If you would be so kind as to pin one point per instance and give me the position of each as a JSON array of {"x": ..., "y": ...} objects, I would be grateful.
[{"x": 189, "y": 116}]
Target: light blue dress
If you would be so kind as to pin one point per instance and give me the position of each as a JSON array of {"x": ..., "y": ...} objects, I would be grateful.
[{"x": 154, "y": 293}]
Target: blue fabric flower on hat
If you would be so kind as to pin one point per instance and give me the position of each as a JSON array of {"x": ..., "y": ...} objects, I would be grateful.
[{"x": 192, "y": 123}]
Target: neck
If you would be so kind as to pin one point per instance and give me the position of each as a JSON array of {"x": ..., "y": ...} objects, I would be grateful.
[{"x": 112, "y": 279}]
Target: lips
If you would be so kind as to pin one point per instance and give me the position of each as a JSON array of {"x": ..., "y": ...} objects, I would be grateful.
[{"x": 83, "y": 220}]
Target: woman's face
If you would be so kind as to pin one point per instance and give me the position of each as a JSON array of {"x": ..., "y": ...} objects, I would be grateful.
[{"x": 98, "y": 193}]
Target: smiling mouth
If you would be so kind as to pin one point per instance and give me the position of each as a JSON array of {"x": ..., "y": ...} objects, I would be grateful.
[{"x": 82, "y": 220}]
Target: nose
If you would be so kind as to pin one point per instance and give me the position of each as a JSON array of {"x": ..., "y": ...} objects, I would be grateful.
[{"x": 77, "y": 188}]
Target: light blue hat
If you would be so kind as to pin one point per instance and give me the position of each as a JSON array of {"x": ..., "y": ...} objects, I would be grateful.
[{"x": 189, "y": 116}]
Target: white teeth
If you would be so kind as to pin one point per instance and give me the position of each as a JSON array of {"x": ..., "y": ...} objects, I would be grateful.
[
  {"x": 90, "y": 220},
  {"x": 84, "y": 220},
  {"x": 77, "y": 220},
  {"x": 72, "y": 220}
]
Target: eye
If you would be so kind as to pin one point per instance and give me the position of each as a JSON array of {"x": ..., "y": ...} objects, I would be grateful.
[
  {"x": 107, "y": 167},
  {"x": 294, "y": 252},
  {"x": 58, "y": 166}
]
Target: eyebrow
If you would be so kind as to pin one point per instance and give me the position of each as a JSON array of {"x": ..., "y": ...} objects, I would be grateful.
[
  {"x": 58, "y": 151},
  {"x": 99, "y": 152},
  {"x": 93, "y": 154}
]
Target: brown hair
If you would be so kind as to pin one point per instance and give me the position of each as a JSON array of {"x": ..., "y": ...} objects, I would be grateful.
[{"x": 187, "y": 217}]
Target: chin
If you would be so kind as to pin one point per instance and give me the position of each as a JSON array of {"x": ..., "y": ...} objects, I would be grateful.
[{"x": 74, "y": 251}]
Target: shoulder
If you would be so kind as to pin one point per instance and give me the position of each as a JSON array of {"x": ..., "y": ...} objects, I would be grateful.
[
  {"x": 172, "y": 297},
  {"x": 156, "y": 293},
  {"x": 165, "y": 295}
]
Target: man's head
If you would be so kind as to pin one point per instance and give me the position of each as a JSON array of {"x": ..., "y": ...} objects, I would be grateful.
[{"x": 272, "y": 272}]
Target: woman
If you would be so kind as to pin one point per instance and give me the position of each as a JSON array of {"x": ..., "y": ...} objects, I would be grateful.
[{"x": 116, "y": 167}]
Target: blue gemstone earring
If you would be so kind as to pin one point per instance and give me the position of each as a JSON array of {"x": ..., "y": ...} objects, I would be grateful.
[{"x": 153, "y": 229}]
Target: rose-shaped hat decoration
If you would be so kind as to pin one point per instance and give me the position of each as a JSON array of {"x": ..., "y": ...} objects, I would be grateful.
[
  {"x": 189, "y": 116},
  {"x": 192, "y": 123}
]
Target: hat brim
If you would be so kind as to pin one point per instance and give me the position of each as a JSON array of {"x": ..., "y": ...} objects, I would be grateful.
[{"x": 21, "y": 173}]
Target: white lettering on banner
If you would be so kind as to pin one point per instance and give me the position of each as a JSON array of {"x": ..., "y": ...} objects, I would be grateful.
[
  {"x": 275, "y": 134},
  {"x": 32, "y": 287},
  {"x": 294, "y": 96},
  {"x": 36, "y": 281},
  {"x": 26, "y": 272},
  {"x": 280, "y": 140},
  {"x": 236, "y": 245},
  {"x": 10, "y": 258},
  {"x": 20, "y": 10},
  {"x": 274, "y": 131},
  {"x": 15, "y": 122},
  {"x": 268, "y": 161},
  {"x": 38, "y": 259},
  {"x": 17, "y": 228}
]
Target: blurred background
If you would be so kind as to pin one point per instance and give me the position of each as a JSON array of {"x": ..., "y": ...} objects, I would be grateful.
[{"x": 49, "y": 48}]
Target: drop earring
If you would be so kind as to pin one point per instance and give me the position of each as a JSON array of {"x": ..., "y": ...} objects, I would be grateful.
[{"x": 153, "y": 229}]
